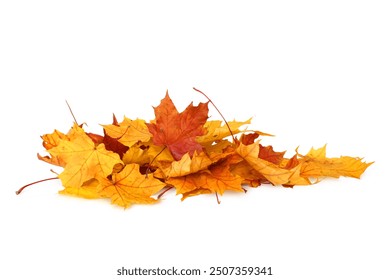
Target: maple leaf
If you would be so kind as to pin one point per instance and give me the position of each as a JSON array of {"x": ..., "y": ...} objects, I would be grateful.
[
  {"x": 316, "y": 164},
  {"x": 50, "y": 141},
  {"x": 216, "y": 132},
  {"x": 137, "y": 155},
  {"x": 178, "y": 131},
  {"x": 129, "y": 186},
  {"x": 248, "y": 174},
  {"x": 87, "y": 190},
  {"x": 161, "y": 154},
  {"x": 128, "y": 132},
  {"x": 113, "y": 145},
  {"x": 84, "y": 160},
  {"x": 267, "y": 153},
  {"x": 186, "y": 165},
  {"x": 133, "y": 160},
  {"x": 216, "y": 179},
  {"x": 272, "y": 172},
  {"x": 195, "y": 192}
]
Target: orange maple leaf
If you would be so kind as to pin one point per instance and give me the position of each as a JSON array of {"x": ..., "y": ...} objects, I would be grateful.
[
  {"x": 178, "y": 131},
  {"x": 216, "y": 179}
]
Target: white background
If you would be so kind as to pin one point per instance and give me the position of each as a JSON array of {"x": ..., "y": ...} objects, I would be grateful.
[{"x": 310, "y": 72}]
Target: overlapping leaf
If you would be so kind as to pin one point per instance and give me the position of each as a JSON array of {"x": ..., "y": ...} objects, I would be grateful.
[
  {"x": 178, "y": 131},
  {"x": 83, "y": 159},
  {"x": 134, "y": 161}
]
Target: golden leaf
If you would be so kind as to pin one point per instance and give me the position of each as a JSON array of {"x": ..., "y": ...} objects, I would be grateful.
[
  {"x": 129, "y": 187},
  {"x": 316, "y": 164},
  {"x": 129, "y": 132},
  {"x": 83, "y": 159},
  {"x": 273, "y": 173}
]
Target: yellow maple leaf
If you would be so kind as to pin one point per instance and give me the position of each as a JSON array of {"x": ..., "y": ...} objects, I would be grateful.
[
  {"x": 136, "y": 155},
  {"x": 195, "y": 192},
  {"x": 53, "y": 139},
  {"x": 186, "y": 165},
  {"x": 129, "y": 186},
  {"x": 83, "y": 159},
  {"x": 316, "y": 164},
  {"x": 129, "y": 132},
  {"x": 272, "y": 172},
  {"x": 87, "y": 190},
  {"x": 50, "y": 141},
  {"x": 216, "y": 132},
  {"x": 159, "y": 153}
]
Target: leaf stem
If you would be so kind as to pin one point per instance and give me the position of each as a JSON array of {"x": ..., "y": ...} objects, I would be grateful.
[
  {"x": 219, "y": 112},
  {"x": 71, "y": 112},
  {"x": 216, "y": 195},
  {"x": 33, "y": 183},
  {"x": 148, "y": 169},
  {"x": 169, "y": 187}
]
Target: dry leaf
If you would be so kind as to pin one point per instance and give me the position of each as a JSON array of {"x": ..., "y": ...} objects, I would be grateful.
[
  {"x": 128, "y": 132},
  {"x": 84, "y": 160},
  {"x": 178, "y": 131},
  {"x": 132, "y": 161},
  {"x": 129, "y": 186}
]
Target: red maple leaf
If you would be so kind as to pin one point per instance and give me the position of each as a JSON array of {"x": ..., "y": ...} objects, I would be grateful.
[{"x": 177, "y": 131}]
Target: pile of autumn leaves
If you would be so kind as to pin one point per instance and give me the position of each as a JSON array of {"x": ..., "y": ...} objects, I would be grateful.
[{"x": 134, "y": 161}]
